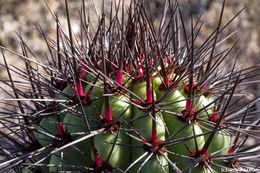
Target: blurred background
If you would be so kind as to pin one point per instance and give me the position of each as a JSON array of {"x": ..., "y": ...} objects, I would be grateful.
[{"x": 19, "y": 16}]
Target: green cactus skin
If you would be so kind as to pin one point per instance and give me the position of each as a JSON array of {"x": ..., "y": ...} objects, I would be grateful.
[
  {"x": 201, "y": 101},
  {"x": 118, "y": 105},
  {"x": 176, "y": 97},
  {"x": 145, "y": 126},
  {"x": 104, "y": 142},
  {"x": 37, "y": 158},
  {"x": 153, "y": 165},
  {"x": 199, "y": 169},
  {"x": 220, "y": 141},
  {"x": 120, "y": 155},
  {"x": 48, "y": 125},
  {"x": 26, "y": 170},
  {"x": 70, "y": 157},
  {"x": 74, "y": 123},
  {"x": 67, "y": 92},
  {"x": 219, "y": 169},
  {"x": 174, "y": 125}
]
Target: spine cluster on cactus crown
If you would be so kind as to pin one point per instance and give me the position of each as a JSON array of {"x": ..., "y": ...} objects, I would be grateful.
[{"x": 130, "y": 96}]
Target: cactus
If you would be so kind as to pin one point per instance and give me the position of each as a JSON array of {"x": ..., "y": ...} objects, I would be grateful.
[{"x": 129, "y": 97}]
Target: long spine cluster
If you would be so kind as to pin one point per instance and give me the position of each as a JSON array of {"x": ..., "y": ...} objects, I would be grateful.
[{"x": 134, "y": 98}]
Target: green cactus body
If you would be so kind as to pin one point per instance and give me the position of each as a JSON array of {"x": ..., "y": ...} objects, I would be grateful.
[
  {"x": 49, "y": 126},
  {"x": 221, "y": 163},
  {"x": 203, "y": 102},
  {"x": 220, "y": 141},
  {"x": 221, "y": 138},
  {"x": 26, "y": 170},
  {"x": 67, "y": 92},
  {"x": 96, "y": 101},
  {"x": 144, "y": 127},
  {"x": 153, "y": 165},
  {"x": 176, "y": 98},
  {"x": 175, "y": 125},
  {"x": 120, "y": 107},
  {"x": 37, "y": 158},
  {"x": 144, "y": 124},
  {"x": 120, "y": 155},
  {"x": 74, "y": 122},
  {"x": 70, "y": 156},
  {"x": 199, "y": 169}
]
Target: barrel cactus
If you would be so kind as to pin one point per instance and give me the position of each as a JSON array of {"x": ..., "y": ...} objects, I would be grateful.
[{"x": 129, "y": 97}]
